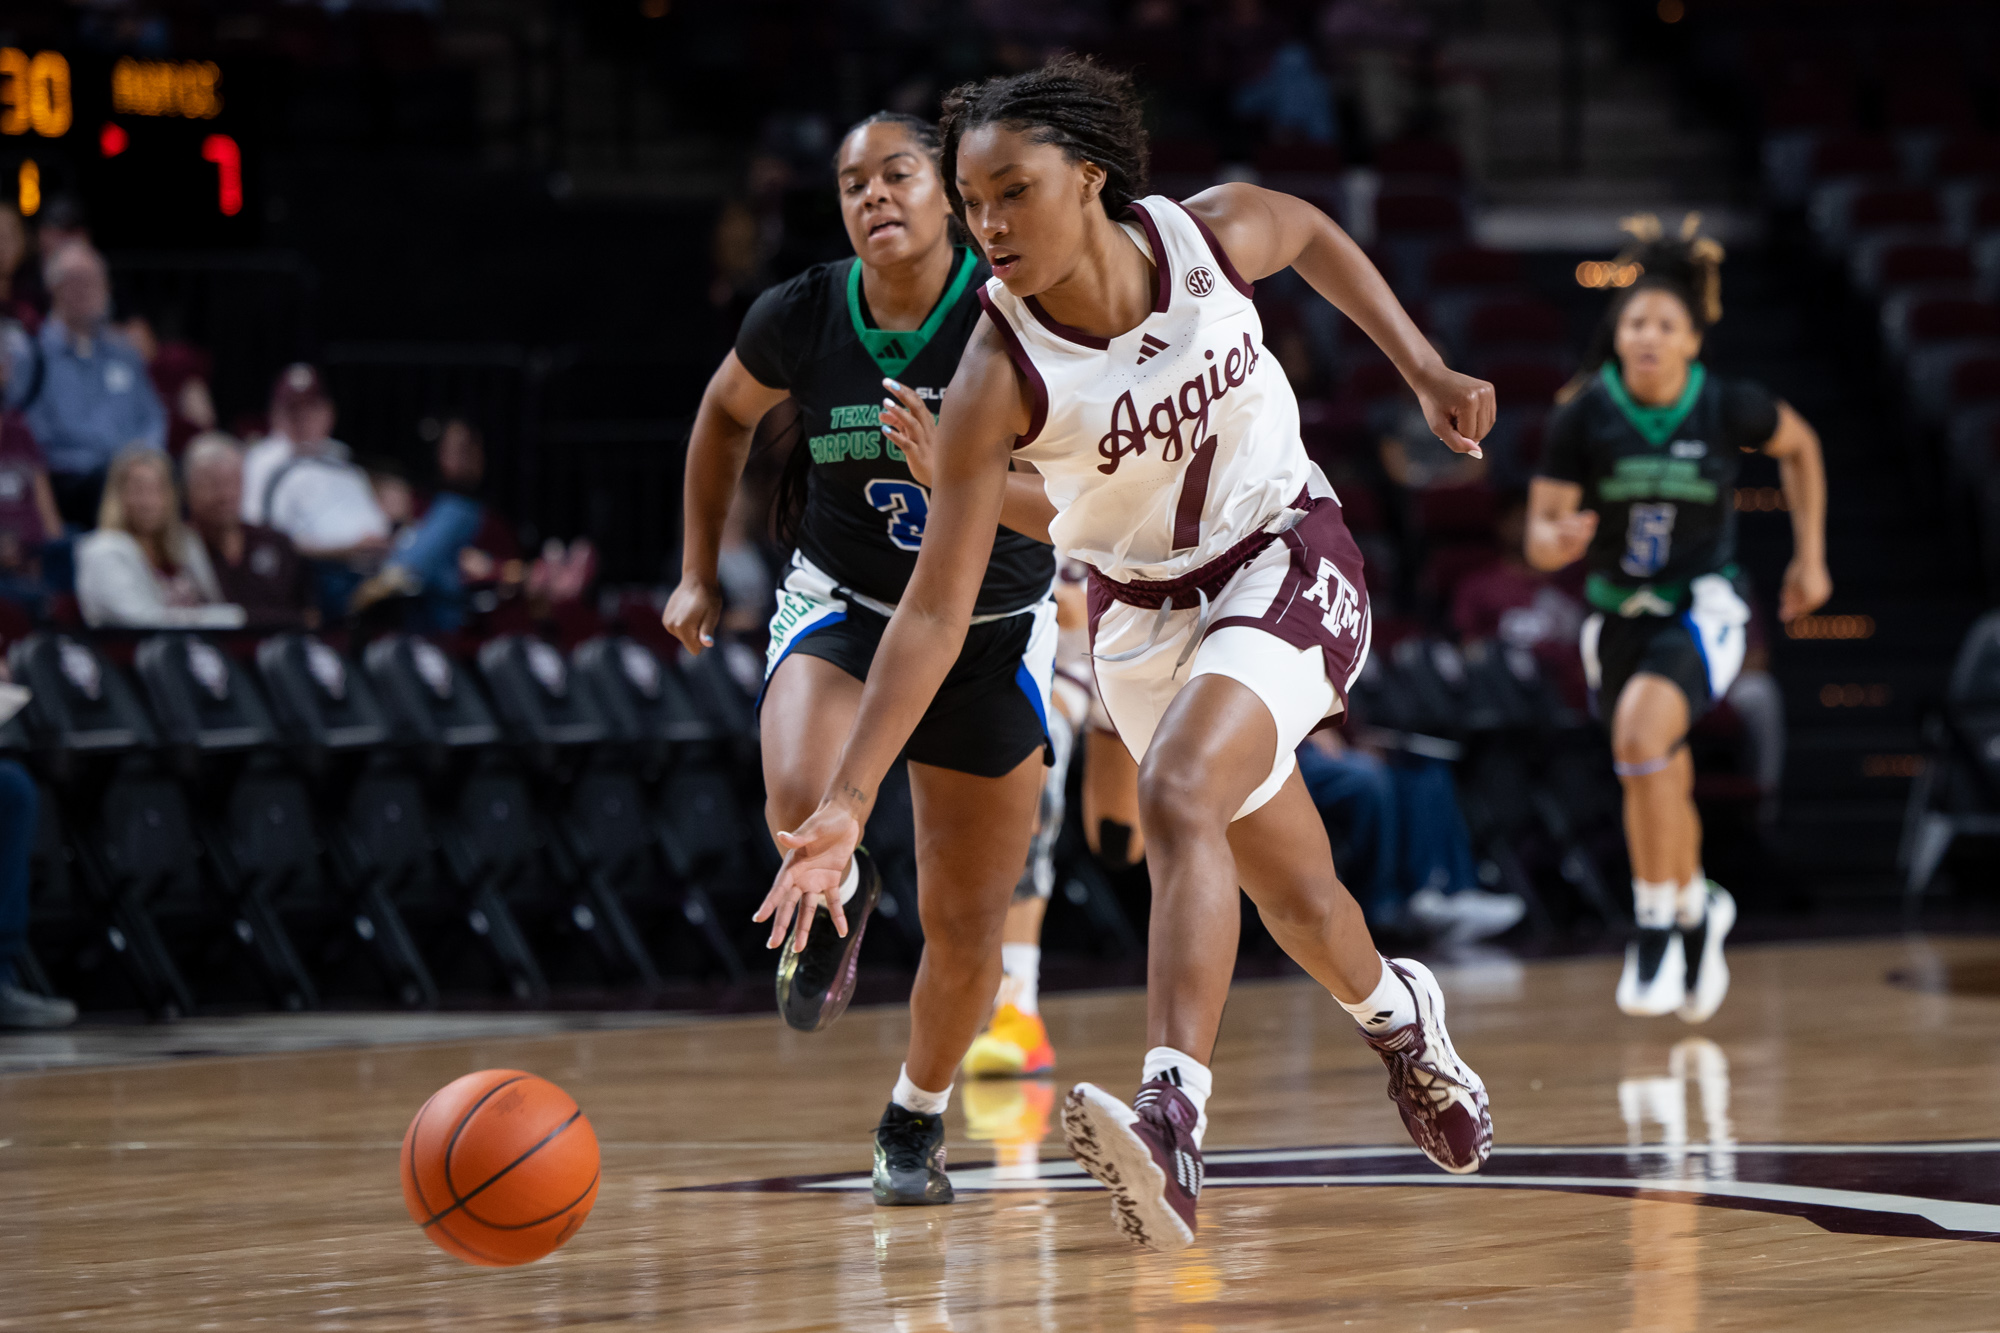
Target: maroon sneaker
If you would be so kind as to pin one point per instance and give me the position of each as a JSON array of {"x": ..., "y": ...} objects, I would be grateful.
[
  {"x": 1442, "y": 1101},
  {"x": 1145, "y": 1154}
]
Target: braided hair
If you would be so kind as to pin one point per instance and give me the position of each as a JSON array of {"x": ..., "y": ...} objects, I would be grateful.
[
  {"x": 1688, "y": 267},
  {"x": 1089, "y": 112}
]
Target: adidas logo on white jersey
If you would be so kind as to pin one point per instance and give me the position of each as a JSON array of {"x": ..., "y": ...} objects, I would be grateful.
[{"x": 1150, "y": 347}]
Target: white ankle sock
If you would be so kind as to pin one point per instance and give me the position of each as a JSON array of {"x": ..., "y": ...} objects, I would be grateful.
[
  {"x": 1021, "y": 976},
  {"x": 852, "y": 882},
  {"x": 1691, "y": 902},
  {"x": 1653, "y": 903},
  {"x": 1388, "y": 1007},
  {"x": 1190, "y": 1075},
  {"x": 913, "y": 1098}
]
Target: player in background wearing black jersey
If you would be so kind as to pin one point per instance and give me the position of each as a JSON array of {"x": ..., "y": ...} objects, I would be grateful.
[
  {"x": 1638, "y": 476},
  {"x": 831, "y": 338}
]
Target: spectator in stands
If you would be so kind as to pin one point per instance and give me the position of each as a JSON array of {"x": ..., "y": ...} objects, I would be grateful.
[
  {"x": 257, "y": 569},
  {"x": 20, "y": 809},
  {"x": 1404, "y": 828},
  {"x": 1291, "y": 98},
  {"x": 16, "y": 300},
  {"x": 429, "y": 556},
  {"x": 1515, "y": 603},
  {"x": 87, "y": 396},
  {"x": 299, "y": 481},
  {"x": 28, "y": 518},
  {"x": 180, "y": 374},
  {"x": 144, "y": 568}
]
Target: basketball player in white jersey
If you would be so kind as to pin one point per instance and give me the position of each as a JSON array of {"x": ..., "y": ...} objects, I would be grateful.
[{"x": 1122, "y": 358}]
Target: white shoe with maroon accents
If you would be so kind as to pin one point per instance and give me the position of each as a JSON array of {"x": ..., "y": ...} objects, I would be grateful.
[
  {"x": 1145, "y": 1154},
  {"x": 1443, "y": 1103}
]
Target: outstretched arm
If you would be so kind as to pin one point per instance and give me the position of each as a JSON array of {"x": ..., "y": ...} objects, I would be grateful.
[
  {"x": 985, "y": 408},
  {"x": 1263, "y": 231},
  {"x": 1802, "y": 474},
  {"x": 731, "y": 406}
]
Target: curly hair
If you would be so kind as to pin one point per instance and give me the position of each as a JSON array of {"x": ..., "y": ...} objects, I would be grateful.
[
  {"x": 1091, "y": 113},
  {"x": 1688, "y": 267}
]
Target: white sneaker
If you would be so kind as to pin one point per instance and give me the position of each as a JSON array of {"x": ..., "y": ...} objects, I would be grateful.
[
  {"x": 1707, "y": 973},
  {"x": 1442, "y": 1101},
  {"x": 25, "y": 1009},
  {"x": 1655, "y": 978},
  {"x": 1462, "y": 918}
]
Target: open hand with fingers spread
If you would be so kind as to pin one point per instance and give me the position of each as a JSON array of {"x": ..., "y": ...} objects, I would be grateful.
[
  {"x": 911, "y": 428},
  {"x": 816, "y": 859},
  {"x": 1458, "y": 407}
]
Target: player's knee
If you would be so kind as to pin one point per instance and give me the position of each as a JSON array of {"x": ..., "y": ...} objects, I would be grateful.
[
  {"x": 1639, "y": 751},
  {"x": 1176, "y": 802}
]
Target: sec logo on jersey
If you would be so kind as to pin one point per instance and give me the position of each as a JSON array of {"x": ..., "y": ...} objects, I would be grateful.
[{"x": 1200, "y": 282}]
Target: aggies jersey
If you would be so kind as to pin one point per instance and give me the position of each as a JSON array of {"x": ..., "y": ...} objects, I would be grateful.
[
  {"x": 1169, "y": 444},
  {"x": 864, "y": 519},
  {"x": 1662, "y": 480}
]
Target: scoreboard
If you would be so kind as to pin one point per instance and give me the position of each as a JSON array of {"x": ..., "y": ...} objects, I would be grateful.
[{"x": 155, "y": 150}]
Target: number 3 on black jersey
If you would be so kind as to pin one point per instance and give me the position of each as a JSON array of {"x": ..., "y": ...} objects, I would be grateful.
[{"x": 907, "y": 505}]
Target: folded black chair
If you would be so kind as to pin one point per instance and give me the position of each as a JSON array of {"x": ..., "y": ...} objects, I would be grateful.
[
  {"x": 371, "y": 809},
  {"x": 253, "y": 820},
  {"x": 1957, "y": 792},
  {"x": 129, "y": 846},
  {"x": 692, "y": 819},
  {"x": 480, "y": 812},
  {"x": 597, "y": 810}
]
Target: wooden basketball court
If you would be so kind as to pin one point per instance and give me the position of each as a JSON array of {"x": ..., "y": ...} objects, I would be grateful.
[{"x": 1824, "y": 1155}]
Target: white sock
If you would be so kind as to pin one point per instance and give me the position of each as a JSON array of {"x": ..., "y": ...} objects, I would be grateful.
[
  {"x": 913, "y": 1098},
  {"x": 1653, "y": 903},
  {"x": 1691, "y": 902},
  {"x": 852, "y": 882},
  {"x": 1388, "y": 1007},
  {"x": 1191, "y": 1076},
  {"x": 1021, "y": 976}
]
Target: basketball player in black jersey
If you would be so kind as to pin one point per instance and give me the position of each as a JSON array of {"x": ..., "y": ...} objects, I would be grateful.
[
  {"x": 901, "y": 312},
  {"x": 1638, "y": 478}
]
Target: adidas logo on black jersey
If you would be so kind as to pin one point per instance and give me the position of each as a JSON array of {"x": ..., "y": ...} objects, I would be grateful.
[
  {"x": 895, "y": 350},
  {"x": 1150, "y": 347}
]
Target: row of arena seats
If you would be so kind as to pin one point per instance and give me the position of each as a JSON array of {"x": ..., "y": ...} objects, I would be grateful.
[
  {"x": 279, "y": 822},
  {"x": 1533, "y": 774}
]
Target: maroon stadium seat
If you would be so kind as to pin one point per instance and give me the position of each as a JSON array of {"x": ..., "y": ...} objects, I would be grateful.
[
  {"x": 1420, "y": 157},
  {"x": 1948, "y": 319},
  {"x": 1856, "y": 155},
  {"x": 1414, "y": 213},
  {"x": 1907, "y": 206},
  {"x": 1474, "y": 266},
  {"x": 1976, "y": 380},
  {"x": 1923, "y": 262},
  {"x": 1524, "y": 384},
  {"x": 1458, "y": 512},
  {"x": 1517, "y": 322},
  {"x": 1299, "y": 159},
  {"x": 1968, "y": 155}
]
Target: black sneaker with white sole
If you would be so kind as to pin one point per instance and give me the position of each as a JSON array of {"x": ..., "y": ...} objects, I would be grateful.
[
  {"x": 1707, "y": 970},
  {"x": 909, "y": 1159},
  {"x": 815, "y": 983},
  {"x": 1654, "y": 981}
]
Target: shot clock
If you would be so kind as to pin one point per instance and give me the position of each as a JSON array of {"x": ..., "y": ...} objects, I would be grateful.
[{"x": 155, "y": 149}]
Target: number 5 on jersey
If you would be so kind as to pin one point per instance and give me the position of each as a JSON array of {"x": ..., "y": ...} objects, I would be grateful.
[{"x": 907, "y": 505}]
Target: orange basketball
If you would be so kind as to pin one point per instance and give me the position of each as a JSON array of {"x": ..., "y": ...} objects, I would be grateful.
[{"x": 499, "y": 1168}]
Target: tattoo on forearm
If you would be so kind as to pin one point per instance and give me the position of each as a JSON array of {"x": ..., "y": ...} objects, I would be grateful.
[{"x": 853, "y": 792}]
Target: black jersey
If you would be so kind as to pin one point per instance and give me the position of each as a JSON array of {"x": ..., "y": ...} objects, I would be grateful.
[
  {"x": 1662, "y": 480},
  {"x": 864, "y": 516}
]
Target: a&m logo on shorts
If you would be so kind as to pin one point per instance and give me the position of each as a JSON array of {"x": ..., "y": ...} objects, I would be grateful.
[{"x": 1337, "y": 595}]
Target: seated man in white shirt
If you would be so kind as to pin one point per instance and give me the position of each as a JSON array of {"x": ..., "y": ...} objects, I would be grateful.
[{"x": 299, "y": 481}]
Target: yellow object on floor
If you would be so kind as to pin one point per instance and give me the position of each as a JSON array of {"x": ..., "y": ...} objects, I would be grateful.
[{"x": 1013, "y": 1044}]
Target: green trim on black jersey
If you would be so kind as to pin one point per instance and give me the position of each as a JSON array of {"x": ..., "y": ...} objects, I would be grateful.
[
  {"x": 894, "y": 349},
  {"x": 1656, "y": 425}
]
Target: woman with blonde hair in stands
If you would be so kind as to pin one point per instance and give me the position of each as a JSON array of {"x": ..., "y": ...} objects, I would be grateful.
[{"x": 143, "y": 567}]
